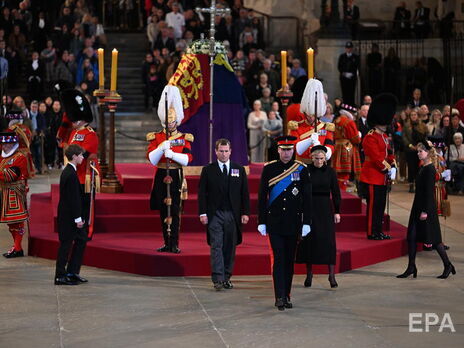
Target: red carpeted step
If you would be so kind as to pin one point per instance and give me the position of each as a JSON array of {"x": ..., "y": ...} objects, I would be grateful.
[
  {"x": 133, "y": 203},
  {"x": 191, "y": 223}
]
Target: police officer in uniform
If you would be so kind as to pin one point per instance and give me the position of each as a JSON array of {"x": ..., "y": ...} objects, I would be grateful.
[
  {"x": 284, "y": 205},
  {"x": 348, "y": 66},
  {"x": 379, "y": 165},
  {"x": 176, "y": 150}
]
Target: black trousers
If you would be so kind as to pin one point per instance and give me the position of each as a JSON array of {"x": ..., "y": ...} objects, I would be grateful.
[
  {"x": 66, "y": 263},
  {"x": 376, "y": 199},
  {"x": 413, "y": 165},
  {"x": 223, "y": 240},
  {"x": 171, "y": 239},
  {"x": 282, "y": 259},
  {"x": 348, "y": 90}
]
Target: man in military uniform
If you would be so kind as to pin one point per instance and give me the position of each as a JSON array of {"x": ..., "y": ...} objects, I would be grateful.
[
  {"x": 284, "y": 205},
  {"x": 13, "y": 171},
  {"x": 78, "y": 112},
  {"x": 348, "y": 66},
  {"x": 311, "y": 131},
  {"x": 346, "y": 158},
  {"x": 173, "y": 152},
  {"x": 379, "y": 165}
]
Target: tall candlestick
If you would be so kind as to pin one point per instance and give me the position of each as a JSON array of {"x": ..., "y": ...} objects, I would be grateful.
[
  {"x": 283, "y": 65},
  {"x": 310, "y": 52},
  {"x": 101, "y": 68},
  {"x": 114, "y": 69}
]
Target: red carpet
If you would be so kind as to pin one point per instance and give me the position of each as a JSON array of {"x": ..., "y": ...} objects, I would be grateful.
[{"x": 127, "y": 233}]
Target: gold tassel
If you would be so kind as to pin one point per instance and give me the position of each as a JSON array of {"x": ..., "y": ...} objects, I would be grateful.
[
  {"x": 97, "y": 183},
  {"x": 184, "y": 190},
  {"x": 87, "y": 183}
]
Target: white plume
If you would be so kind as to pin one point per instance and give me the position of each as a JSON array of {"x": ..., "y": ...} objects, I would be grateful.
[
  {"x": 174, "y": 100},
  {"x": 307, "y": 105}
]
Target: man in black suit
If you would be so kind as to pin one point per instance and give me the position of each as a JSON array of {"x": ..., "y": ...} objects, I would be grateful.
[
  {"x": 421, "y": 20},
  {"x": 284, "y": 212},
  {"x": 70, "y": 223},
  {"x": 348, "y": 66},
  {"x": 351, "y": 18},
  {"x": 224, "y": 205}
]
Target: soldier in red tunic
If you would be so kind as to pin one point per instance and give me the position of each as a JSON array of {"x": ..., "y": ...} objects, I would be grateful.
[
  {"x": 13, "y": 171},
  {"x": 311, "y": 131},
  {"x": 379, "y": 166},
  {"x": 346, "y": 158},
  {"x": 175, "y": 150},
  {"x": 79, "y": 114}
]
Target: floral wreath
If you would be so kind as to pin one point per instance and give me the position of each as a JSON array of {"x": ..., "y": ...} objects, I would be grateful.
[{"x": 202, "y": 47}]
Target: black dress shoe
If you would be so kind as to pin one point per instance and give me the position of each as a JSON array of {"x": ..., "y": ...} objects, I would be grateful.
[
  {"x": 175, "y": 250},
  {"x": 308, "y": 281},
  {"x": 218, "y": 286},
  {"x": 77, "y": 278},
  {"x": 333, "y": 283},
  {"x": 64, "y": 281},
  {"x": 163, "y": 249},
  {"x": 280, "y": 304},
  {"x": 228, "y": 285},
  {"x": 446, "y": 272},
  {"x": 374, "y": 237},
  {"x": 385, "y": 236},
  {"x": 287, "y": 303},
  {"x": 13, "y": 253}
]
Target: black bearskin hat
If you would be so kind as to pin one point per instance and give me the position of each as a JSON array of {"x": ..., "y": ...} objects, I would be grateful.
[
  {"x": 76, "y": 105},
  {"x": 298, "y": 88},
  {"x": 382, "y": 110}
]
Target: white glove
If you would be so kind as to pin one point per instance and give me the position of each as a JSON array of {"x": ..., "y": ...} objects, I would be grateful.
[
  {"x": 348, "y": 75},
  {"x": 360, "y": 134},
  {"x": 315, "y": 138},
  {"x": 303, "y": 145},
  {"x": 181, "y": 158},
  {"x": 305, "y": 230},
  {"x": 262, "y": 229},
  {"x": 328, "y": 154},
  {"x": 446, "y": 175},
  {"x": 155, "y": 156},
  {"x": 392, "y": 173},
  {"x": 165, "y": 145},
  {"x": 168, "y": 153}
]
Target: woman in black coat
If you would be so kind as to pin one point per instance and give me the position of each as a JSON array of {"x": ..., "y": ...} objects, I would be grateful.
[
  {"x": 319, "y": 247},
  {"x": 424, "y": 226}
]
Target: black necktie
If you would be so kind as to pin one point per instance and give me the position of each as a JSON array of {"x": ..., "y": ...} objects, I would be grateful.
[{"x": 224, "y": 170}]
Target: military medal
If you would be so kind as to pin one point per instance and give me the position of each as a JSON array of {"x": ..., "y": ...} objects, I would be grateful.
[
  {"x": 295, "y": 191},
  {"x": 78, "y": 137},
  {"x": 234, "y": 172},
  {"x": 296, "y": 176}
]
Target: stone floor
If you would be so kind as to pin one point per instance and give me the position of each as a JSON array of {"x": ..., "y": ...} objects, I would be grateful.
[{"x": 370, "y": 308}]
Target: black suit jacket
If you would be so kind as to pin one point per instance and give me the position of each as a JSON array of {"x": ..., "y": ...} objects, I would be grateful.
[
  {"x": 70, "y": 204},
  {"x": 211, "y": 193}
]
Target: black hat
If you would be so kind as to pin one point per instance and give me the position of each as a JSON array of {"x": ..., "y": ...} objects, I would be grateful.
[
  {"x": 298, "y": 88},
  {"x": 382, "y": 110},
  {"x": 76, "y": 105},
  {"x": 8, "y": 137},
  {"x": 349, "y": 44},
  {"x": 319, "y": 147},
  {"x": 285, "y": 141}
]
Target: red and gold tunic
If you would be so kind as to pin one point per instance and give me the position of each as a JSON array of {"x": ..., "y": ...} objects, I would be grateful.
[
  {"x": 13, "y": 188},
  {"x": 303, "y": 130},
  {"x": 294, "y": 113},
  {"x": 346, "y": 155},
  {"x": 25, "y": 138},
  {"x": 64, "y": 131},
  {"x": 86, "y": 138},
  {"x": 180, "y": 143},
  {"x": 379, "y": 158}
]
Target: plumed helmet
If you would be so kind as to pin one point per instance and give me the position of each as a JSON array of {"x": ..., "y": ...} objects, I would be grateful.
[
  {"x": 308, "y": 101},
  {"x": 382, "y": 110},
  {"x": 175, "y": 108},
  {"x": 76, "y": 105},
  {"x": 298, "y": 88}
]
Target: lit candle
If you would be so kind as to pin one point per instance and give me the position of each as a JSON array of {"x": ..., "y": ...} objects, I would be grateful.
[
  {"x": 283, "y": 66},
  {"x": 310, "y": 52},
  {"x": 101, "y": 68},
  {"x": 114, "y": 69}
]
